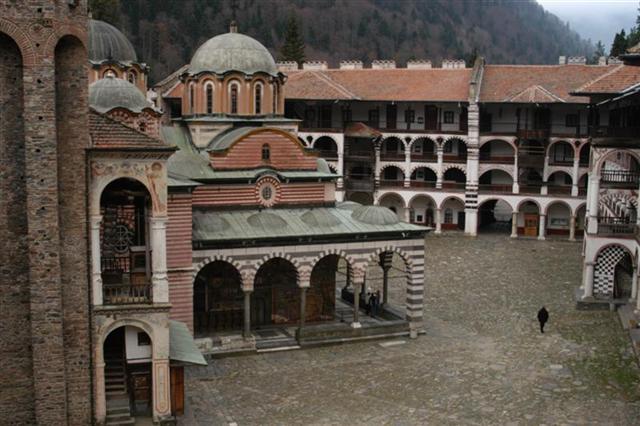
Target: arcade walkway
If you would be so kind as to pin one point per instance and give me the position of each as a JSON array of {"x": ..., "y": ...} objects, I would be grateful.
[{"x": 483, "y": 360}]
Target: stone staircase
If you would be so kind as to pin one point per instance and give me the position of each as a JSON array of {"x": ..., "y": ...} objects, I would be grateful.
[{"x": 118, "y": 406}]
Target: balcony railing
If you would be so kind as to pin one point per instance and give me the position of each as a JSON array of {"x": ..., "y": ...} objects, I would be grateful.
[
  {"x": 495, "y": 188},
  {"x": 561, "y": 161},
  {"x": 126, "y": 294},
  {"x": 359, "y": 185},
  {"x": 620, "y": 177},
  {"x": 533, "y": 133},
  {"x": 448, "y": 158},
  {"x": 454, "y": 185},
  {"x": 498, "y": 159},
  {"x": 615, "y": 226},
  {"x": 614, "y": 132},
  {"x": 391, "y": 183},
  {"x": 559, "y": 189},
  {"x": 424, "y": 157},
  {"x": 392, "y": 156},
  {"x": 359, "y": 153},
  {"x": 530, "y": 189},
  {"x": 423, "y": 184}
]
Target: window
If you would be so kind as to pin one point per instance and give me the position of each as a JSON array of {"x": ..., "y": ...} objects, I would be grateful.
[
  {"x": 267, "y": 193},
  {"x": 131, "y": 77},
  {"x": 448, "y": 117},
  {"x": 192, "y": 97},
  {"x": 142, "y": 126},
  {"x": 409, "y": 116},
  {"x": 416, "y": 148},
  {"x": 374, "y": 117},
  {"x": 209, "y": 95},
  {"x": 448, "y": 216},
  {"x": 572, "y": 120},
  {"x": 257, "y": 99},
  {"x": 346, "y": 115},
  {"x": 233, "y": 93},
  {"x": 266, "y": 152},
  {"x": 419, "y": 218},
  {"x": 143, "y": 339}
]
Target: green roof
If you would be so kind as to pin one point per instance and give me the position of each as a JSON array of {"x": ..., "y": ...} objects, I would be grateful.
[
  {"x": 182, "y": 348},
  {"x": 224, "y": 140},
  {"x": 235, "y": 225}
]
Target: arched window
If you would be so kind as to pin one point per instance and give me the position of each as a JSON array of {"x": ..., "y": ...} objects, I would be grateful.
[
  {"x": 109, "y": 73},
  {"x": 233, "y": 98},
  {"x": 131, "y": 77},
  {"x": 209, "y": 96},
  {"x": 266, "y": 152},
  {"x": 258, "y": 98},
  {"x": 142, "y": 126},
  {"x": 192, "y": 97}
]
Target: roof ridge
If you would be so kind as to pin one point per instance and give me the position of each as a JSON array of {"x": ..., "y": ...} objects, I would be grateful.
[
  {"x": 600, "y": 77},
  {"x": 339, "y": 87},
  {"x": 534, "y": 88}
]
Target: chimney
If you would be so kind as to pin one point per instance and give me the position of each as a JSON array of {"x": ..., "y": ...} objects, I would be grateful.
[
  {"x": 381, "y": 64},
  {"x": 233, "y": 27},
  {"x": 562, "y": 60},
  {"x": 419, "y": 64},
  {"x": 452, "y": 64},
  {"x": 602, "y": 60},
  {"x": 287, "y": 66},
  {"x": 351, "y": 65},
  {"x": 576, "y": 60},
  {"x": 315, "y": 65}
]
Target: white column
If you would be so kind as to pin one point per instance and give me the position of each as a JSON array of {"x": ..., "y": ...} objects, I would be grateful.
[
  {"x": 514, "y": 225},
  {"x": 572, "y": 228},
  {"x": 376, "y": 168},
  {"x": 340, "y": 183},
  {"x": 541, "y": 227},
  {"x": 407, "y": 214},
  {"x": 592, "y": 204},
  {"x": 516, "y": 185},
  {"x": 438, "y": 221},
  {"x": 96, "y": 266},
  {"x": 407, "y": 167},
  {"x": 471, "y": 222},
  {"x": 159, "y": 259},
  {"x": 357, "y": 286},
  {"x": 439, "y": 174},
  {"x": 574, "y": 177},
  {"x": 588, "y": 280}
]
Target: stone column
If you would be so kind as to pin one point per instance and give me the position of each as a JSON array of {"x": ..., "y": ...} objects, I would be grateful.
[
  {"x": 574, "y": 176},
  {"x": 358, "y": 282},
  {"x": 159, "y": 259},
  {"x": 407, "y": 167},
  {"x": 440, "y": 173},
  {"x": 514, "y": 225},
  {"x": 376, "y": 168},
  {"x": 588, "y": 280},
  {"x": 385, "y": 285},
  {"x": 246, "y": 326},
  {"x": 516, "y": 186},
  {"x": 99, "y": 388},
  {"x": 161, "y": 389},
  {"x": 634, "y": 284},
  {"x": 96, "y": 264},
  {"x": 592, "y": 204},
  {"x": 303, "y": 307},
  {"x": 341, "y": 171},
  {"x": 572, "y": 228},
  {"x": 438, "y": 221},
  {"x": 541, "y": 227}
]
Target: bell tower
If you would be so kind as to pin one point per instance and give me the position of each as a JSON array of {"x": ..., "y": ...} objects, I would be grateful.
[{"x": 44, "y": 291}]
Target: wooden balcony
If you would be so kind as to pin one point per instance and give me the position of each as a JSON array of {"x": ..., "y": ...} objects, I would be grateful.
[
  {"x": 423, "y": 184},
  {"x": 623, "y": 178},
  {"x": 126, "y": 294},
  {"x": 495, "y": 188},
  {"x": 454, "y": 158},
  {"x": 391, "y": 183},
  {"x": 497, "y": 159},
  {"x": 424, "y": 157},
  {"x": 392, "y": 156},
  {"x": 559, "y": 189},
  {"x": 619, "y": 226}
]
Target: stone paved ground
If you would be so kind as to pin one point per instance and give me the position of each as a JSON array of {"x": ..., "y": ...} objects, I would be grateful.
[{"x": 483, "y": 360}]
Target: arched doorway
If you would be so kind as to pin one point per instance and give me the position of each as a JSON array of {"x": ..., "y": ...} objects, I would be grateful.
[
  {"x": 326, "y": 147},
  {"x": 613, "y": 272},
  {"x": 495, "y": 181},
  {"x": 422, "y": 210},
  {"x": 495, "y": 216},
  {"x": 276, "y": 295},
  {"x": 558, "y": 219},
  {"x": 218, "y": 301},
  {"x": 330, "y": 276},
  {"x": 386, "y": 278},
  {"x": 128, "y": 355},
  {"x": 453, "y": 214},
  {"x": 529, "y": 219},
  {"x": 393, "y": 202},
  {"x": 125, "y": 253}
]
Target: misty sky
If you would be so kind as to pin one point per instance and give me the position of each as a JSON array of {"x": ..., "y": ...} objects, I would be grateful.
[{"x": 595, "y": 19}]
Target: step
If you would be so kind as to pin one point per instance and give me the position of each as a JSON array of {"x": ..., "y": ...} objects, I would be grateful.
[
  {"x": 118, "y": 410},
  {"x": 118, "y": 416},
  {"x": 117, "y": 404},
  {"x": 129, "y": 421}
]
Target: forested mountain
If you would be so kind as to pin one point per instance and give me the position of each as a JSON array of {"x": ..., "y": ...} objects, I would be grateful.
[{"x": 167, "y": 32}]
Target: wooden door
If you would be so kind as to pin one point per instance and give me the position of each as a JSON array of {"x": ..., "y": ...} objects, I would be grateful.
[
  {"x": 141, "y": 387},
  {"x": 430, "y": 117},
  {"x": 531, "y": 225},
  {"x": 177, "y": 391}
]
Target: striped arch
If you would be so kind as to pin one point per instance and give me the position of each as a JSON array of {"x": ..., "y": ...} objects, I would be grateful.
[
  {"x": 460, "y": 167},
  {"x": 509, "y": 142},
  {"x": 398, "y": 165},
  {"x": 396, "y": 136},
  {"x": 540, "y": 211},
  {"x": 215, "y": 258},
  {"x": 422, "y": 195},
  {"x": 375, "y": 256},
  {"x": 426, "y": 138},
  {"x": 601, "y": 160},
  {"x": 275, "y": 255},
  {"x": 333, "y": 252},
  {"x": 458, "y": 137},
  {"x": 507, "y": 169},
  {"x": 313, "y": 142},
  {"x": 392, "y": 194},
  {"x": 423, "y": 166},
  {"x": 332, "y": 167},
  {"x": 60, "y": 33},
  {"x": 573, "y": 145},
  {"x": 24, "y": 43}
]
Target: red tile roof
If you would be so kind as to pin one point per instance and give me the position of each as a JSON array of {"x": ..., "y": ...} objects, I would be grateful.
[
  {"x": 616, "y": 80},
  {"x": 108, "y": 133},
  {"x": 380, "y": 85},
  {"x": 537, "y": 83}
]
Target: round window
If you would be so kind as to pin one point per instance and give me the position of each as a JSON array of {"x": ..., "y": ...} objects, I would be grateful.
[{"x": 267, "y": 193}]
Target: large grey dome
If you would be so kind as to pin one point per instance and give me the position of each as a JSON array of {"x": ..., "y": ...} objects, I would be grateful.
[
  {"x": 106, "y": 42},
  {"x": 233, "y": 52},
  {"x": 110, "y": 92}
]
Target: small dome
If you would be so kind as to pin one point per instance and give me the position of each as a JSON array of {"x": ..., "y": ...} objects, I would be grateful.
[
  {"x": 323, "y": 166},
  {"x": 375, "y": 215},
  {"x": 106, "y": 42},
  {"x": 110, "y": 92},
  {"x": 209, "y": 222},
  {"x": 320, "y": 217},
  {"x": 233, "y": 52},
  {"x": 348, "y": 205},
  {"x": 266, "y": 221}
]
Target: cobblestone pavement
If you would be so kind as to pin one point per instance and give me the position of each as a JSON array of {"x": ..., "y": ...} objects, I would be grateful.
[{"x": 482, "y": 361}]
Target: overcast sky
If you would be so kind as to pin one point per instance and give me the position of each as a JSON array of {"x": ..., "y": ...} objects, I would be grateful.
[{"x": 595, "y": 19}]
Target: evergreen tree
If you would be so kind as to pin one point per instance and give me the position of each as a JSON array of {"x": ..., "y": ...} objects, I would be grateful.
[
  {"x": 105, "y": 10},
  {"x": 619, "y": 45},
  {"x": 598, "y": 53},
  {"x": 293, "y": 47}
]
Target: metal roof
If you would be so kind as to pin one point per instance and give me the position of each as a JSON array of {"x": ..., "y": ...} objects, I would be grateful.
[
  {"x": 309, "y": 223},
  {"x": 106, "y": 42},
  {"x": 110, "y": 92},
  {"x": 181, "y": 345}
]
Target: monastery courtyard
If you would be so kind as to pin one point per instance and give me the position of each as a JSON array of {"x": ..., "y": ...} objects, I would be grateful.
[{"x": 482, "y": 361}]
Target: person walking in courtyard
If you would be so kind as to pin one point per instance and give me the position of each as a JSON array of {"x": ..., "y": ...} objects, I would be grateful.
[{"x": 543, "y": 317}]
